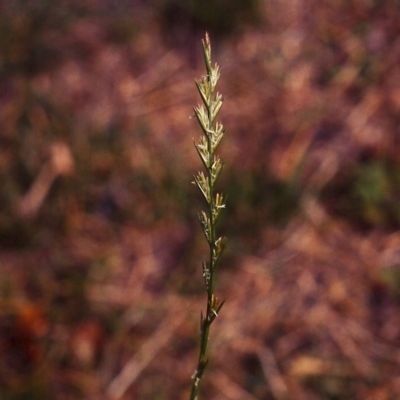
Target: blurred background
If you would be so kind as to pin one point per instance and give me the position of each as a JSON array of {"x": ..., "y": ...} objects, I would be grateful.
[{"x": 100, "y": 248}]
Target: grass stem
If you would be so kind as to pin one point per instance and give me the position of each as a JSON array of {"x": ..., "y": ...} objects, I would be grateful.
[{"x": 206, "y": 147}]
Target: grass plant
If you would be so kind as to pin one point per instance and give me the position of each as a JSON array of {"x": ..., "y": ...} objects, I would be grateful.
[{"x": 206, "y": 147}]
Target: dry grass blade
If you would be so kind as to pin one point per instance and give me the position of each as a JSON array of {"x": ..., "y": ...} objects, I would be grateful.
[{"x": 147, "y": 353}]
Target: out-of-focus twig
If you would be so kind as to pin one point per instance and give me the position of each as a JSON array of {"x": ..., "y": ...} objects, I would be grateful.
[
  {"x": 60, "y": 164},
  {"x": 145, "y": 355}
]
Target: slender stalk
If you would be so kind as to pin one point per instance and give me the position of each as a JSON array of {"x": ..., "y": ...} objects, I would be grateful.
[{"x": 206, "y": 147}]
